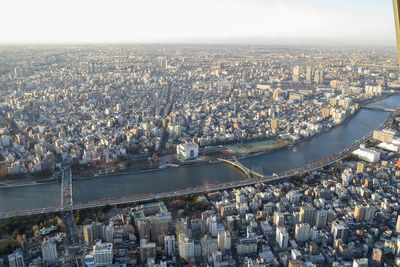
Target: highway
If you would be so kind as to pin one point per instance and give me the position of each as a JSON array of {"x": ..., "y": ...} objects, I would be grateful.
[{"x": 68, "y": 205}]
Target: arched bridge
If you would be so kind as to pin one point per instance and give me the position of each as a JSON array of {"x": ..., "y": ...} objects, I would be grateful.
[{"x": 248, "y": 172}]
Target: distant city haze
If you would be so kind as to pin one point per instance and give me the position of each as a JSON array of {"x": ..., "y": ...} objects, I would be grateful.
[{"x": 302, "y": 22}]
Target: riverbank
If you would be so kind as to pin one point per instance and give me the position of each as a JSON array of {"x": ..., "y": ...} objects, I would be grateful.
[
  {"x": 174, "y": 179},
  {"x": 25, "y": 184},
  {"x": 207, "y": 162}
]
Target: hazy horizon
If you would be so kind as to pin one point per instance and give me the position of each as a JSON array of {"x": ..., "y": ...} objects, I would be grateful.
[{"x": 274, "y": 22}]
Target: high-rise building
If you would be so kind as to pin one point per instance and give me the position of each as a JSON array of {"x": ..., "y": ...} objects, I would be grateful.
[
  {"x": 16, "y": 259},
  {"x": 385, "y": 135},
  {"x": 302, "y": 232},
  {"x": 160, "y": 225},
  {"x": 98, "y": 230},
  {"x": 369, "y": 213},
  {"x": 186, "y": 247},
  {"x": 359, "y": 213},
  {"x": 245, "y": 246},
  {"x": 49, "y": 251},
  {"x": 308, "y": 74},
  {"x": 103, "y": 254},
  {"x": 339, "y": 231},
  {"x": 279, "y": 218},
  {"x": 88, "y": 234},
  {"x": 274, "y": 125},
  {"x": 144, "y": 226},
  {"x": 227, "y": 240},
  {"x": 109, "y": 234},
  {"x": 169, "y": 245},
  {"x": 212, "y": 225},
  {"x": 208, "y": 245},
  {"x": 377, "y": 254},
  {"x": 360, "y": 167},
  {"x": 319, "y": 77},
  {"x": 307, "y": 215},
  {"x": 296, "y": 73},
  {"x": 282, "y": 237},
  {"x": 147, "y": 250},
  {"x": 398, "y": 224},
  {"x": 320, "y": 218}
]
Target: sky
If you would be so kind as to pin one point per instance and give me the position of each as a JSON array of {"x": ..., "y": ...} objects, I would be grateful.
[{"x": 198, "y": 21}]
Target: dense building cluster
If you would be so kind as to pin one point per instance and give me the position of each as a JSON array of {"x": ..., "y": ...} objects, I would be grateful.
[
  {"x": 103, "y": 105},
  {"x": 347, "y": 214}
]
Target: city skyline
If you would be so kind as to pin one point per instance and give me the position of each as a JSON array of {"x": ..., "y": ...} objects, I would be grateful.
[{"x": 258, "y": 22}]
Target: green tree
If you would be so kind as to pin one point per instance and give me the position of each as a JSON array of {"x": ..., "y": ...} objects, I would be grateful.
[
  {"x": 77, "y": 217},
  {"x": 15, "y": 234}
]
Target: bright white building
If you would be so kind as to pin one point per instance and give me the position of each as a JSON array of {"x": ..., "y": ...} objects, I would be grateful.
[
  {"x": 367, "y": 154},
  {"x": 169, "y": 244},
  {"x": 188, "y": 150},
  {"x": 282, "y": 237},
  {"x": 347, "y": 176},
  {"x": 389, "y": 147},
  {"x": 212, "y": 226},
  {"x": 186, "y": 248},
  {"x": 103, "y": 254},
  {"x": 16, "y": 259},
  {"x": 363, "y": 262}
]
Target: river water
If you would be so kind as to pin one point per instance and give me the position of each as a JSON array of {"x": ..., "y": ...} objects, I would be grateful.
[{"x": 41, "y": 196}]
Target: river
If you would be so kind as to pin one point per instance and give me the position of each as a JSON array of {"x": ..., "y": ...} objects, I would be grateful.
[{"x": 314, "y": 149}]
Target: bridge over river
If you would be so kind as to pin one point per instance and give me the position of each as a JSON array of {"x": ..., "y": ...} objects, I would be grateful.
[
  {"x": 378, "y": 108},
  {"x": 253, "y": 177}
]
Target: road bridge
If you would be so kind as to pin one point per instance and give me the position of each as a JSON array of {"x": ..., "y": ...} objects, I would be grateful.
[
  {"x": 248, "y": 172},
  {"x": 206, "y": 188},
  {"x": 378, "y": 108},
  {"x": 66, "y": 187}
]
